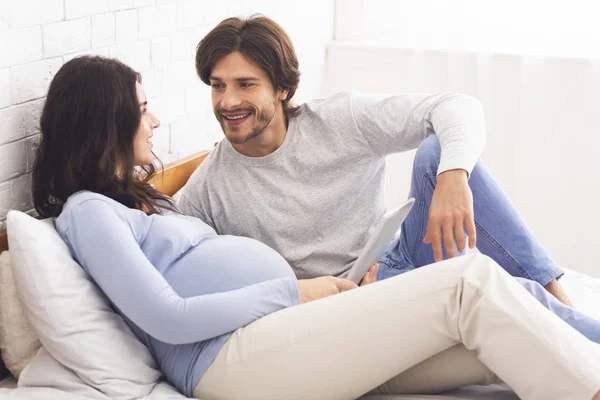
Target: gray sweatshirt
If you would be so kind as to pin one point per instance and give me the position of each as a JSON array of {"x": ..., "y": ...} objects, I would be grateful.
[{"x": 316, "y": 197}]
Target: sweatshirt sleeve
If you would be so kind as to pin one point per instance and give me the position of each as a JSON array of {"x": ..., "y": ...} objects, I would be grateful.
[
  {"x": 400, "y": 123},
  {"x": 103, "y": 241}
]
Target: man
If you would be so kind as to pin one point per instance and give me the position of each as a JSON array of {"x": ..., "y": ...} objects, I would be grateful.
[{"x": 309, "y": 181}]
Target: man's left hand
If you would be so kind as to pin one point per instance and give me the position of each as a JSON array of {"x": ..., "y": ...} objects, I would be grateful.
[
  {"x": 370, "y": 275},
  {"x": 450, "y": 214}
]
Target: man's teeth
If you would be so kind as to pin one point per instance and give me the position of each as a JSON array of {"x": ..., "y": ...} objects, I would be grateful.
[
  {"x": 149, "y": 140},
  {"x": 239, "y": 116}
]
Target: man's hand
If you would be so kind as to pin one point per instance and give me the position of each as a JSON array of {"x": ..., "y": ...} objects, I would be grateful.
[
  {"x": 324, "y": 286},
  {"x": 451, "y": 212},
  {"x": 370, "y": 276}
]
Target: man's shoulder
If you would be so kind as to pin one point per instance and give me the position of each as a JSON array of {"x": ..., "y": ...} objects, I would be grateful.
[
  {"x": 209, "y": 168},
  {"x": 327, "y": 113},
  {"x": 198, "y": 177},
  {"x": 336, "y": 101}
]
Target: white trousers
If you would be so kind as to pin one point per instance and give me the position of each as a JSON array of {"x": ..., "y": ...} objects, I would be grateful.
[{"x": 386, "y": 333}]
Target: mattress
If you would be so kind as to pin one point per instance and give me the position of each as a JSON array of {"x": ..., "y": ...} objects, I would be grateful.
[{"x": 583, "y": 290}]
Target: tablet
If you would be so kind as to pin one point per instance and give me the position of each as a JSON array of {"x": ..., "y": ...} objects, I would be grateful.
[{"x": 380, "y": 239}]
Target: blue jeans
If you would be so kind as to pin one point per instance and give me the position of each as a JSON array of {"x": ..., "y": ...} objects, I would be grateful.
[{"x": 501, "y": 234}]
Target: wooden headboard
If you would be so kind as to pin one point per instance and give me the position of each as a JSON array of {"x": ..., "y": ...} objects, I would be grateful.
[{"x": 173, "y": 178}]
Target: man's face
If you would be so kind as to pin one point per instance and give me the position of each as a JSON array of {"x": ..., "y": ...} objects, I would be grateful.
[{"x": 244, "y": 100}]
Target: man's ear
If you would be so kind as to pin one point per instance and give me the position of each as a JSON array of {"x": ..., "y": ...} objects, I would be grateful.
[{"x": 283, "y": 94}]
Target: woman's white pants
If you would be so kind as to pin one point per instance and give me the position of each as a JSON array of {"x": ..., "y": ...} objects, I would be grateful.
[{"x": 403, "y": 335}]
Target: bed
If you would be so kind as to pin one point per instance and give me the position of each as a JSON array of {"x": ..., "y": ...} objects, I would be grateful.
[{"x": 53, "y": 381}]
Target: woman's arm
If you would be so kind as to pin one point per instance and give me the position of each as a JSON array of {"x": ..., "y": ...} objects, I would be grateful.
[{"x": 103, "y": 242}]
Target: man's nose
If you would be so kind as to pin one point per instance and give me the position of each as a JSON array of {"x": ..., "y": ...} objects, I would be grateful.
[{"x": 230, "y": 99}]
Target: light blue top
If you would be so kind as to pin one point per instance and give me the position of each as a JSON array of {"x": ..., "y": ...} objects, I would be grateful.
[{"x": 181, "y": 288}]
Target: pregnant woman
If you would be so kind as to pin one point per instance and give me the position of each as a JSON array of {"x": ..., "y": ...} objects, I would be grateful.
[{"x": 225, "y": 317}]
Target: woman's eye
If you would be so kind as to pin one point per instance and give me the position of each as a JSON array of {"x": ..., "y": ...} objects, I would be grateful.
[{"x": 216, "y": 86}]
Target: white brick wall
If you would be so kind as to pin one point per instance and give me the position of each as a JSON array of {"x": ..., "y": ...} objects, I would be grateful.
[
  {"x": 116, "y": 5},
  {"x": 136, "y": 54},
  {"x": 82, "y": 8},
  {"x": 13, "y": 160},
  {"x": 160, "y": 52},
  {"x": 19, "y": 121},
  {"x": 4, "y": 88},
  {"x": 67, "y": 37},
  {"x": 127, "y": 26},
  {"x": 20, "y": 46},
  {"x": 25, "y": 13},
  {"x": 157, "y": 20},
  {"x": 157, "y": 38},
  {"x": 103, "y": 30},
  {"x": 31, "y": 81}
]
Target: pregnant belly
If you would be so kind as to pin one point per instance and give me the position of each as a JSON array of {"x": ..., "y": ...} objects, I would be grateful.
[{"x": 222, "y": 263}]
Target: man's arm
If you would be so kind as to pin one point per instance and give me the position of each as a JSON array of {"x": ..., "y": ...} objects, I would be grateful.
[{"x": 398, "y": 123}]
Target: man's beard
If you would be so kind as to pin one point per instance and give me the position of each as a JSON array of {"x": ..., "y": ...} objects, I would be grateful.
[{"x": 262, "y": 118}]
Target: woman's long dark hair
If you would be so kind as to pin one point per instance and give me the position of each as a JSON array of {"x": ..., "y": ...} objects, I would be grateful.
[{"x": 88, "y": 125}]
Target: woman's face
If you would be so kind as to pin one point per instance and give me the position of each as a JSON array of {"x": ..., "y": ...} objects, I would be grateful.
[{"x": 142, "y": 143}]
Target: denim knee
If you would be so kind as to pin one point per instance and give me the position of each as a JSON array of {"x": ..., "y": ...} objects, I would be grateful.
[
  {"x": 535, "y": 289},
  {"x": 427, "y": 157}
]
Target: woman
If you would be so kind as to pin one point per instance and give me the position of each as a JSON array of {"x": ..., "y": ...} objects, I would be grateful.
[{"x": 226, "y": 318}]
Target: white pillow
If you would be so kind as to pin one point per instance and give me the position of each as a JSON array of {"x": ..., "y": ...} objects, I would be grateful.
[
  {"x": 70, "y": 315},
  {"x": 45, "y": 372},
  {"x": 18, "y": 341}
]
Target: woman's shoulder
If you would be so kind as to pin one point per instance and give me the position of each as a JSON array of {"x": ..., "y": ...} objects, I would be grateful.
[
  {"x": 85, "y": 198},
  {"x": 86, "y": 205}
]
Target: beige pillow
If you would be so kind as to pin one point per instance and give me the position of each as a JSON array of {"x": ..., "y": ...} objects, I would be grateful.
[{"x": 18, "y": 341}]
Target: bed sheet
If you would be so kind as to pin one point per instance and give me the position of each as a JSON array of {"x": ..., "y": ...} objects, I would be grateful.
[{"x": 9, "y": 391}]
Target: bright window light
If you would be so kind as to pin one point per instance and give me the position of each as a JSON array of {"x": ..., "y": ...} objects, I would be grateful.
[{"x": 533, "y": 27}]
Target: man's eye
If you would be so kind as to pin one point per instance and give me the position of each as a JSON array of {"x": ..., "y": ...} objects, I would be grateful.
[
  {"x": 216, "y": 86},
  {"x": 245, "y": 84}
]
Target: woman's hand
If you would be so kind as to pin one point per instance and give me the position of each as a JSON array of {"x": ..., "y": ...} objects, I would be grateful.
[
  {"x": 324, "y": 286},
  {"x": 370, "y": 276}
]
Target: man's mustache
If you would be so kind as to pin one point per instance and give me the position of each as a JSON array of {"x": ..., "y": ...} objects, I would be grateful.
[{"x": 221, "y": 111}]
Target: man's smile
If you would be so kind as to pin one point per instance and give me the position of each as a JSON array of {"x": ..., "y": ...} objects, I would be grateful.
[{"x": 235, "y": 119}]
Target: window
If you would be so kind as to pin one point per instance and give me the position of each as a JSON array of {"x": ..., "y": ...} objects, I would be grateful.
[{"x": 533, "y": 27}]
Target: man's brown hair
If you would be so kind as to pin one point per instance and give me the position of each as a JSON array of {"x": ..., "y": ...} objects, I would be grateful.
[{"x": 263, "y": 42}]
